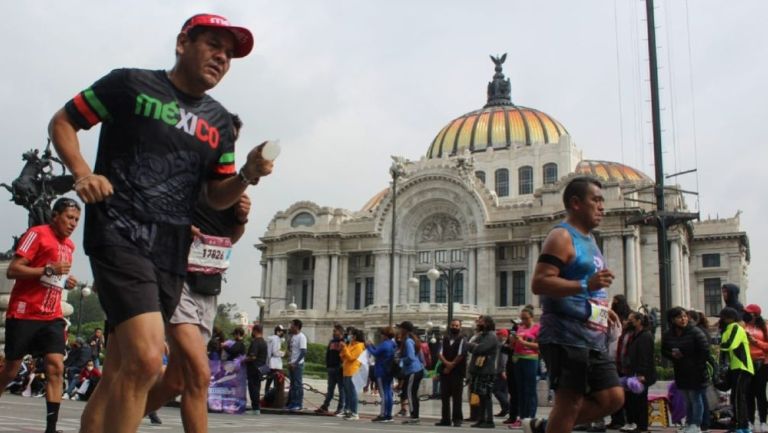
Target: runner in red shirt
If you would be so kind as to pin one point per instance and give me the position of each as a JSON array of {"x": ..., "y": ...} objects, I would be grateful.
[{"x": 34, "y": 323}]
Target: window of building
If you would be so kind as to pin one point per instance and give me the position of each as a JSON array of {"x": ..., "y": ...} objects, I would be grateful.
[
  {"x": 305, "y": 301},
  {"x": 713, "y": 297},
  {"x": 457, "y": 255},
  {"x": 306, "y": 263},
  {"x": 518, "y": 287},
  {"x": 550, "y": 173},
  {"x": 368, "y": 291},
  {"x": 502, "y": 182},
  {"x": 710, "y": 260},
  {"x": 425, "y": 257},
  {"x": 303, "y": 219},
  {"x": 501, "y": 253},
  {"x": 503, "y": 301},
  {"x": 458, "y": 288},
  {"x": 518, "y": 252},
  {"x": 358, "y": 294},
  {"x": 525, "y": 179},
  {"x": 441, "y": 256},
  {"x": 424, "y": 288},
  {"x": 480, "y": 175},
  {"x": 368, "y": 260},
  {"x": 440, "y": 293}
]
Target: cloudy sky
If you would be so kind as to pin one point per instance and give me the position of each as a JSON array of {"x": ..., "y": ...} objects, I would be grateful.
[{"x": 346, "y": 84}]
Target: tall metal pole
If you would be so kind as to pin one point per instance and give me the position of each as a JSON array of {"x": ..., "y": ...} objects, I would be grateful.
[
  {"x": 395, "y": 175},
  {"x": 663, "y": 253},
  {"x": 450, "y": 297},
  {"x": 79, "y": 313}
]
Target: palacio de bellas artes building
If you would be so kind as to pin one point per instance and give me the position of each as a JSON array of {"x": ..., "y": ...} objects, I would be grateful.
[{"x": 480, "y": 201}]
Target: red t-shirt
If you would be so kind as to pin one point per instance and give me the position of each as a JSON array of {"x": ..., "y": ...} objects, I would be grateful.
[{"x": 40, "y": 299}]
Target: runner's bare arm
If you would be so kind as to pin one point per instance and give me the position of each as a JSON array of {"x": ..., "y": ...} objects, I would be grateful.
[
  {"x": 223, "y": 193},
  {"x": 19, "y": 269},
  {"x": 91, "y": 188}
]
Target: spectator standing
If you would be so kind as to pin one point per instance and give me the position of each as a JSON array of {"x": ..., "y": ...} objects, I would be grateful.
[
  {"x": 617, "y": 336},
  {"x": 526, "y": 359},
  {"x": 484, "y": 350},
  {"x": 452, "y": 355},
  {"x": 256, "y": 361},
  {"x": 435, "y": 346},
  {"x": 731, "y": 298},
  {"x": 350, "y": 354},
  {"x": 96, "y": 342},
  {"x": 234, "y": 348},
  {"x": 508, "y": 348},
  {"x": 274, "y": 354},
  {"x": 757, "y": 334},
  {"x": 215, "y": 344},
  {"x": 686, "y": 346},
  {"x": 298, "y": 351},
  {"x": 385, "y": 355},
  {"x": 734, "y": 350},
  {"x": 76, "y": 361},
  {"x": 639, "y": 363},
  {"x": 500, "y": 389},
  {"x": 334, "y": 371},
  {"x": 412, "y": 369}
]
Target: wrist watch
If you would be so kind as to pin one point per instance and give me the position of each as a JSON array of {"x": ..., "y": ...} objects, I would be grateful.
[
  {"x": 48, "y": 271},
  {"x": 244, "y": 179}
]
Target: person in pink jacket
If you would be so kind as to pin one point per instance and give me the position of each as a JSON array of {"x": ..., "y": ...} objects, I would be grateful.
[
  {"x": 526, "y": 364},
  {"x": 757, "y": 334}
]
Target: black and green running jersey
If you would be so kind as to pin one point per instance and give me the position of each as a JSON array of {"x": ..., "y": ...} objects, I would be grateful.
[{"x": 157, "y": 147}]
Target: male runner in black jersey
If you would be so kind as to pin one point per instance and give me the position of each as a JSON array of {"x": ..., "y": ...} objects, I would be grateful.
[{"x": 162, "y": 140}]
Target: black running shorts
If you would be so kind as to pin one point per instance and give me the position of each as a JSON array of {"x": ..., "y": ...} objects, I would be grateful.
[
  {"x": 579, "y": 369},
  {"x": 34, "y": 337},
  {"x": 129, "y": 284}
]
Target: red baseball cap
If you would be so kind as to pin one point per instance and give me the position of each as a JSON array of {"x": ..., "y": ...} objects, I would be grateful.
[
  {"x": 752, "y": 308},
  {"x": 243, "y": 36},
  {"x": 503, "y": 332}
]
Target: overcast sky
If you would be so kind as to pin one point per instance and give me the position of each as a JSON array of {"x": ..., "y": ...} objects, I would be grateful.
[{"x": 346, "y": 84}]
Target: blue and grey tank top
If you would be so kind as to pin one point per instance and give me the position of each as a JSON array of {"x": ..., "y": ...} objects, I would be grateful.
[{"x": 564, "y": 320}]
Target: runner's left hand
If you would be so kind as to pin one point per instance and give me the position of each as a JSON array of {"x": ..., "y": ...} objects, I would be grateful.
[
  {"x": 71, "y": 283},
  {"x": 242, "y": 208}
]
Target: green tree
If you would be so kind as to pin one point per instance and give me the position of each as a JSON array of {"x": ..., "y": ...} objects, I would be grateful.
[
  {"x": 225, "y": 313},
  {"x": 91, "y": 308}
]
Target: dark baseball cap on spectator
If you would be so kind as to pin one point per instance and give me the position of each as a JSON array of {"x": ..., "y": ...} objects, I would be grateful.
[
  {"x": 408, "y": 326},
  {"x": 243, "y": 36}
]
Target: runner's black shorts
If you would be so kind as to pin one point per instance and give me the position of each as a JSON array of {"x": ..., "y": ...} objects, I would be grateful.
[
  {"x": 579, "y": 369},
  {"x": 34, "y": 337},
  {"x": 129, "y": 284}
]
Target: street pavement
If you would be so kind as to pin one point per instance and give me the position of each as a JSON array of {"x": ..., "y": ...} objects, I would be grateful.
[{"x": 25, "y": 414}]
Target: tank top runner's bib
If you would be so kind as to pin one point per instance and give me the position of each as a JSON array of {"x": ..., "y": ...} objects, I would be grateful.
[{"x": 578, "y": 320}]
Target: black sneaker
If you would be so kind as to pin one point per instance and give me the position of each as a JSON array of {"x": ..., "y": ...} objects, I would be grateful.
[
  {"x": 378, "y": 419},
  {"x": 402, "y": 412},
  {"x": 322, "y": 409},
  {"x": 443, "y": 423},
  {"x": 154, "y": 419},
  {"x": 457, "y": 423}
]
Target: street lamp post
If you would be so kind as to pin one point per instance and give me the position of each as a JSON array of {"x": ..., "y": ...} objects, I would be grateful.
[
  {"x": 85, "y": 291},
  {"x": 449, "y": 273},
  {"x": 262, "y": 303},
  {"x": 396, "y": 170}
]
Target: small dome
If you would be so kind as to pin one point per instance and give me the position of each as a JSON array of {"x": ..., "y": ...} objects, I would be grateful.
[
  {"x": 611, "y": 171},
  {"x": 498, "y": 125},
  {"x": 374, "y": 202}
]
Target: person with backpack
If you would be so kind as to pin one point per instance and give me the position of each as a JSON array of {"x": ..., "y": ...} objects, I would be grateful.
[
  {"x": 412, "y": 368},
  {"x": 686, "y": 346},
  {"x": 734, "y": 350},
  {"x": 757, "y": 334}
]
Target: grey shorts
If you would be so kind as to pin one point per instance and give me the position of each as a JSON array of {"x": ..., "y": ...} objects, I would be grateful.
[{"x": 196, "y": 309}]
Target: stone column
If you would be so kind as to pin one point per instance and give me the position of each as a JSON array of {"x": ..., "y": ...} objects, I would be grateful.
[
  {"x": 533, "y": 257},
  {"x": 405, "y": 268},
  {"x": 381, "y": 279},
  {"x": 486, "y": 278},
  {"x": 471, "y": 290},
  {"x": 687, "y": 283},
  {"x": 267, "y": 289},
  {"x": 333, "y": 289},
  {"x": 341, "y": 300},
  {"x": 398, "y": 285},
  {"x": 630, "y": 277},
  {"x": 279, "y": 279},
  {"x": 263, "y": 286},
  {"x": 613, "y": 252},
  {"x": 674, "y": 275},
  {"x": 321, "y": 277}
]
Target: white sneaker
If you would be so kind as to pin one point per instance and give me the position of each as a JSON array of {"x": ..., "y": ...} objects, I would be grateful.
[
  {"x": 692, "y": 429},
  {"x": 763, "y": 427},
  {"x": 65, "y": 396},
  {"x": 629, "y": 427}
]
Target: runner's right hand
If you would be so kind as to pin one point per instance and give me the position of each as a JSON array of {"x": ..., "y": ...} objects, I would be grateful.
[
  {"x": 600, "y": 280},
  {"x": 61, "y": 268},
  {"x": 93, "y": 188}
]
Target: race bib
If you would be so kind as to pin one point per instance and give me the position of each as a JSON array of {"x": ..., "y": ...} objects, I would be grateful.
[
  {"x": 598, "y": 315},
  {"x": 209, "y": 254},
  {"x": 55, "y": 281}
]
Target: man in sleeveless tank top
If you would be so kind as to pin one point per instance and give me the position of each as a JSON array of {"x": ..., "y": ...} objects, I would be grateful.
[{"x": 572, "y": 280}]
